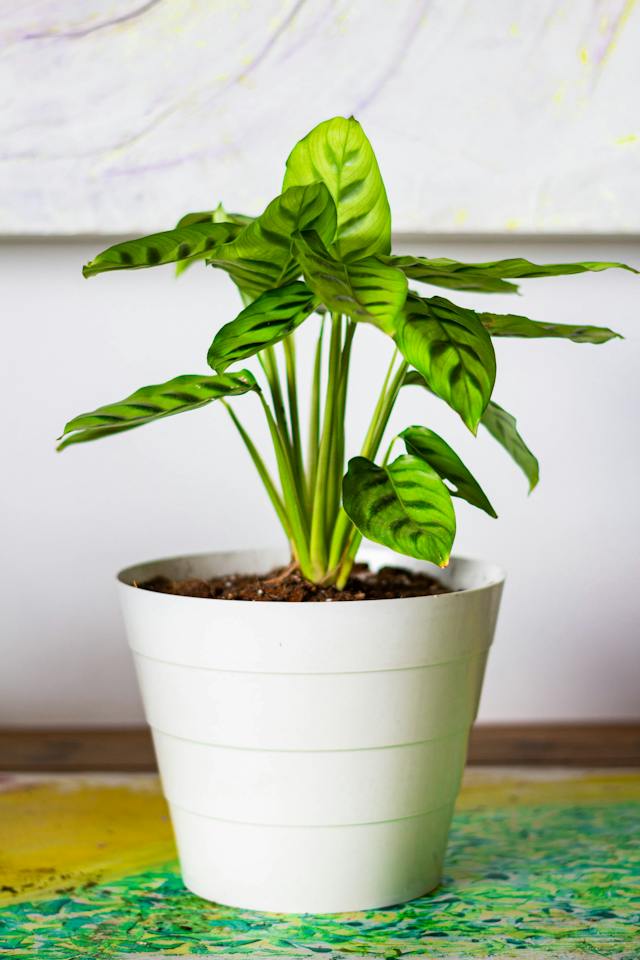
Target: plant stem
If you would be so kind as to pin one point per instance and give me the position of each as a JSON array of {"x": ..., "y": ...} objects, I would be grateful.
[
  {"x": 294, "y": 416},
  {"x": 293, "y": 506},
  {"x": 264, "y": 474},
  {"x": 314, "y": 419},
  {"x": 347, "y": 541},
  {"x": 336, "y": 470},
  {"x": 318, "y": 542}
]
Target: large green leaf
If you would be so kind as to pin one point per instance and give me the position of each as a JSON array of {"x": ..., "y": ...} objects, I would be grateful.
[
  {"x": 443, "y": 272},
  {"x": 338, "y": 154},
  {"x": 260, "y": 257},
  {"x": 511, "y": 325},
  {"x": 182, "y": 243},
  {"x": 269, "y": 319},
  {"x": 183, "y": 393},
  {"x": 424, "y": 443},
  {"x": 364, "y": 290},
  {"x": 502, "y": 426},
  {"x": 449, "y": 346},
  {"x": 404, "y": 506}
]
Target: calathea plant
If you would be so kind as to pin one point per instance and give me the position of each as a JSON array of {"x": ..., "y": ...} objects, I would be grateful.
[{"x": 321, "y": 253}]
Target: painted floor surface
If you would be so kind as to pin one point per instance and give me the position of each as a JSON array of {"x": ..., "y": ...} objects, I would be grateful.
[{"x": 540, "y": 864}]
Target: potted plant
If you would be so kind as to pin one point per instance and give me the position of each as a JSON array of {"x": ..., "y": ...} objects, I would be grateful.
[{"x": 311, "y": 750}]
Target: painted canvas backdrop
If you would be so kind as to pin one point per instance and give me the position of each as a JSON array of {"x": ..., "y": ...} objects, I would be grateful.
[{"x": 509, "y": 115}]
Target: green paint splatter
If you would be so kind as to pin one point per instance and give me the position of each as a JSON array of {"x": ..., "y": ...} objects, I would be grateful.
[{"x": 543, "y": 881}]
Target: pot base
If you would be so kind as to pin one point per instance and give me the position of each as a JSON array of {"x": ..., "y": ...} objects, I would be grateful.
[{"x": 337, "y": 869}]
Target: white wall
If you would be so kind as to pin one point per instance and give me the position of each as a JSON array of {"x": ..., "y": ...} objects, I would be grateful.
[{"x": 567, "y": 644}]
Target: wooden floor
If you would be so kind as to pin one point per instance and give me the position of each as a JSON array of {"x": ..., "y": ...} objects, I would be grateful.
[{"x": 130, "y": 749}]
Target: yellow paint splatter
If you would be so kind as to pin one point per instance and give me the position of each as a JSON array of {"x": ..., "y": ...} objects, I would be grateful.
[
  {"x": 515, "y": 787},
  {"x": 560, "y": 93},
  {"x": 584, "y": 56},
  {"x": 622, "y": 21},
  {"x": 512, "y": 224},
  {"x": 630, "y": 138},
  {"x": 67, "y": 831},
  {"x": 461, "y": 216},
  {"x": 514, "y": 30}
]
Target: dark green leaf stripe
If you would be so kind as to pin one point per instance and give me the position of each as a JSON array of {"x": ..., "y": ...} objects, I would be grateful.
[
  {"x": 171, "y": 246},
  {"x": 443, "y": 272},
  {"x": 366, "y": 290},
  {"x": 260, "y": 258},
  {"x": 270, "y": 318},
  {"x": 424, "y": 443},
  {"x": 338, "y": 154},
  {"x": 186, "y": 392},
  {"x": 502, "y": 426},
  {"x": 404, "y": 506},
  {"x": 511, "y": 325},
  {"x": 449, "y": 346}
]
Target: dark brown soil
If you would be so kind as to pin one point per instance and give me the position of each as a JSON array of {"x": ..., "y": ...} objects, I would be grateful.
[{"x": 284, "y": 584}]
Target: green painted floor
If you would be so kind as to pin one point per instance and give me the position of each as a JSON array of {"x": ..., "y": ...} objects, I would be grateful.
[{"x": 540, "y": 864}]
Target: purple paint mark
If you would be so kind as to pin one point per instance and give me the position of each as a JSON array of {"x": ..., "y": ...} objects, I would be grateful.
[
  {"x": 396, "y": 59},
  {"x": 75, "y": 34}
]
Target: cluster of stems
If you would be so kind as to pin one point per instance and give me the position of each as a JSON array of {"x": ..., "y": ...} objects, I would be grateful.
[{"x": 307, "y": 499}]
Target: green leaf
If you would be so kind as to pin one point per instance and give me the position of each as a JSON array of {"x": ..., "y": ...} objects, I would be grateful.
[
  {"x": 404, "y": 506},
  {"x": 365, "y": 290},
  {"x": 502, "y": 426},
  {"x": 260, "y": 258},
  {"x": 266, "y": 321},
  {"x": 219, "y": 215},
  {"x": 424, "y": 443},
  {"x": 443, "y": 272},
  {"x": 181, "y": 243},
  {"x": 511, "y": 325},
  {"x": 338, "y": 154},
  {"x": 451, "y": 349},
  {"x": 186, "y": 392},
  {"x": 518, "y": 268}
]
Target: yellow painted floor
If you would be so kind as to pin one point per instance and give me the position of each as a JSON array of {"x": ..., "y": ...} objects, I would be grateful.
[{"x": 542, "y": 863}]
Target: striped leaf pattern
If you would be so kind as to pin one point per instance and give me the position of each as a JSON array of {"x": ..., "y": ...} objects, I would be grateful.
[
  {"x": 503, "y": 427},
  {"x": 338, "y": 154},
  {"x": 443, "y": 272},
  {"x": 366, "y": 290},
  {"x": 260, "y": 258},
  {"x": 511, "y": 325},
  {"x": 186, "y": 392},
  {"x": 182, "y": 243},
  {"x": 404, "y": 506},
  {"x": 449, "y": 346},
  {"x": 272, "y": 317},
  {"x": 424, "y": 443}
]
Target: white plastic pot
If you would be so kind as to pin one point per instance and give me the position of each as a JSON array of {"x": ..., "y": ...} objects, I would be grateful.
[{"x": 311, "y": 753}]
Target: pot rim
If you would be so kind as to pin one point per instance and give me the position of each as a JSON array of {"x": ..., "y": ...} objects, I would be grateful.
[{"x": 497, "y": 577}]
